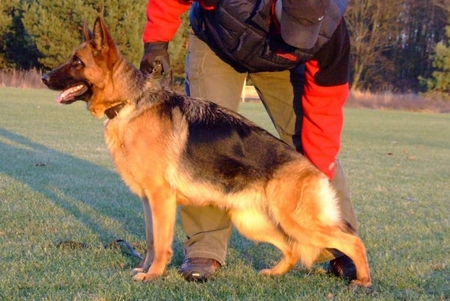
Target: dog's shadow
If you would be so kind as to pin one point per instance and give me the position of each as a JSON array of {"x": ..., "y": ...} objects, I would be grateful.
[
  {"x": 83, "y": 190},
  {"x": 36, "y": 165}
]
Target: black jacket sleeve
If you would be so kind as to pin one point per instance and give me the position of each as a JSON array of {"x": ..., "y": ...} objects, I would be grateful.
[{"x": 334, "y": 58}]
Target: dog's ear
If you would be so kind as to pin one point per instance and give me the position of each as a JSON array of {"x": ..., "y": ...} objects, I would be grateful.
[
  {"x": 87, "y": 33},
  {"x": 98, "y": 39},
  {"x": 102, "y": 39}
]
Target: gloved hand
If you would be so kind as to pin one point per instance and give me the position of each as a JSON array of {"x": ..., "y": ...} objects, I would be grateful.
[{"x": 155, "y": 57}]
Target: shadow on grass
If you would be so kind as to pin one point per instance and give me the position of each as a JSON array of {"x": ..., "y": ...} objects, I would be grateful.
[
  {"x": 30, "y": 165},
  {"x": 37, "y": 166}
]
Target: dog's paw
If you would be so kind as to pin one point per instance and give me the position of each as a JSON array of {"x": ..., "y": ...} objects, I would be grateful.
[
  {"x": 141, "y": 277},
  {"x": 362, "y": 282},
  {"x": 138, "y": 271},
  {"x": 145, "y": 277},
  {"x": 267, "y": 272}
]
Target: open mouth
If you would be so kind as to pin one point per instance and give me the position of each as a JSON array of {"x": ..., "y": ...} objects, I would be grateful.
[{"x": 72, "y": 94}]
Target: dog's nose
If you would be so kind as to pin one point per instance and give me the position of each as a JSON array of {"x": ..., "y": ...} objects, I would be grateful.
[{"x": 45, "y": 78}]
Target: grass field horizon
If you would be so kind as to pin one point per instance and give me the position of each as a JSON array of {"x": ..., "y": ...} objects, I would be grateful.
[{"x": 58, "y": 183}]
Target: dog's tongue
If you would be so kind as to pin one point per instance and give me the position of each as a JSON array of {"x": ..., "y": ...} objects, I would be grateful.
[
  {"x": 60, "y": 98},
  {"x": 69, "y": 95}
]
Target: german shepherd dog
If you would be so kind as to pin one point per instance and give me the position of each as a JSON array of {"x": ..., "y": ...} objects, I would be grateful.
[{"x": 172, "y": 149}]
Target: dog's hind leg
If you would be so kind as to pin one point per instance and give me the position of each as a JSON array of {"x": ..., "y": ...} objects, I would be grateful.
[
  {"x": 256, "y": 226},
  {"x": 331, "y": 237},
  {"x": 286, "y": 263},
  {"x": 143, "y": 267},
  {"x": 349, "y": 244},
  {"x": 304, "y": 205},
  {"x": 163, "y": 212},
  {"x": 353, "y": 247}
]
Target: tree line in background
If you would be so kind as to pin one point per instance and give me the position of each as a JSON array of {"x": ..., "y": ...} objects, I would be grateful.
[{"x": 397, "y": 45}]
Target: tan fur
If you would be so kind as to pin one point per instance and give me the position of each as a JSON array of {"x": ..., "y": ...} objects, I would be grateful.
[{"x": 294, "y": 209}]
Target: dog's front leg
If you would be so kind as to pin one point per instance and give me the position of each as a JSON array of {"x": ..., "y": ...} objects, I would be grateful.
[
  {"x": 163, "y": 206},
  {"x": 143, "y": 267}
]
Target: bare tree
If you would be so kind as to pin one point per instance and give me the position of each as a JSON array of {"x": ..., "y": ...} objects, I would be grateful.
[
  {"x": 392, "y": 41},
  {"x": 443, "y": 4},
  {"x": 370, "y": 23}
]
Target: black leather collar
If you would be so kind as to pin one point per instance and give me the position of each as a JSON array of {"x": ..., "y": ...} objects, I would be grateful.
[{"x": 114, "y": 111}]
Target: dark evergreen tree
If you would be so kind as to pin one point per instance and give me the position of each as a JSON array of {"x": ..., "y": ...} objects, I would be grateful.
[
  {"x": 5, "y": 24},
  {"x": 55, "y": 26},
  {"x": 7, "y": 32},
  {"x": 439, "y": 83}
]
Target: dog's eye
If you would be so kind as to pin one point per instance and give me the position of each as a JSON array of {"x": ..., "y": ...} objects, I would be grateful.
[{"x": 76, "y": 61}]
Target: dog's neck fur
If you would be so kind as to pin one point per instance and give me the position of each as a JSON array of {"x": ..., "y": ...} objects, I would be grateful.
[
  {"x": 131, "y": 76},
  {"x": 144, "y": 84}
]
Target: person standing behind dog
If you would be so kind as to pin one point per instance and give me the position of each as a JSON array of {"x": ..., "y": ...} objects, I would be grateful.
[{"x": 296, "y": 52}]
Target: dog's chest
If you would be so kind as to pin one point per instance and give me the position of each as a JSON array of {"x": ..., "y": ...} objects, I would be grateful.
[
  {"x": 115, "y": 132},
  {"x": 115, "y": 138},
  {"x": 143, "y": 148}
]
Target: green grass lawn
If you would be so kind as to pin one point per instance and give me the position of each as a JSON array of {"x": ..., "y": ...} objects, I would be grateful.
[{"x": 57, "y": 183}]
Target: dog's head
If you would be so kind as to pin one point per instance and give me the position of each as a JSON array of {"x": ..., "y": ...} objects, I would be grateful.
[{"x": 88, "y": 75}]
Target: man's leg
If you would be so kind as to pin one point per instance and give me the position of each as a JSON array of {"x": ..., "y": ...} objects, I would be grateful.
[
  {"x": 209, "y": 77},
  {"x": 208, "y": 229},
  {"x": 281, "y": 94}
]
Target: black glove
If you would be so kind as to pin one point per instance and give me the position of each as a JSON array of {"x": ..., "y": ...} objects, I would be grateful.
[{"x": 156, "y": 58}]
